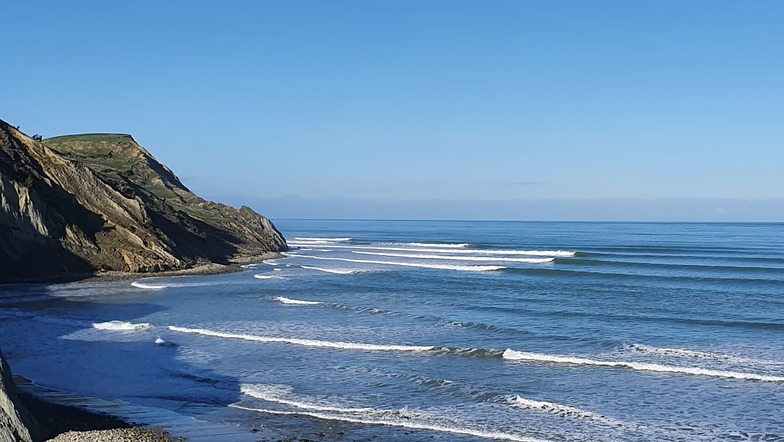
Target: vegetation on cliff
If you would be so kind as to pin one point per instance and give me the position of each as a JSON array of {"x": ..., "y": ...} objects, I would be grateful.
[{"x": 76, "y": 204}]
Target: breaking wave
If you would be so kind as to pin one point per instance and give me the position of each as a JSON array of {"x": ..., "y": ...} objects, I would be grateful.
[
  {"x": 145, "y": 285},
  {"x": 560, "y": 410},
  {"x": 289, "y": 301},
  {"x": 121, "y": 326},
  {"x": 514, "y": 355},
  {"x": 439, "y": 245},
  {"x": 266, "y": 276},
  {"x": 553, "y": 253},
  {"x": 410, "y": 264},
  {"x": 404, "y": 418},
  {"x": 303, "y": 342},
  {"x": 459, "y": 258},
  {"x": 337, "y": 271}
]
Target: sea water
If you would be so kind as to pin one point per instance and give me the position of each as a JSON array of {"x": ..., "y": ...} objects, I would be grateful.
[{"x": 420, "y": 330}]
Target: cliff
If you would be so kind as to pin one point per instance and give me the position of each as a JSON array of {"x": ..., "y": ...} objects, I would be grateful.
[
  {"x": 77, "y": 204},
  {"x": 16, "y": 422}
]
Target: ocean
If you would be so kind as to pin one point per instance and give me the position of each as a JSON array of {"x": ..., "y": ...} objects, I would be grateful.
[{"x": 438, "y": 330}]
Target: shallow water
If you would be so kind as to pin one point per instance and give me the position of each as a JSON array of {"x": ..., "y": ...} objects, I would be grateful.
[{"x": 441, "y": 330}]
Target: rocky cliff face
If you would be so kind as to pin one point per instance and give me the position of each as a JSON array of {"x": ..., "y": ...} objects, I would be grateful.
[
  {"x": 16, "y": 422},
  {"x": 76, "y": 204}
]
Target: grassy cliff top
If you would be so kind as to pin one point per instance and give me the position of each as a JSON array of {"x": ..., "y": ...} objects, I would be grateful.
[{"x": 91, "y": 145}]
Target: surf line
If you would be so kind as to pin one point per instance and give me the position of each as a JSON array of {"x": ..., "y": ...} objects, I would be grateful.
[
  {"x": 303, "y": 342},
  {"x": 408, "y": 264},
  {"x": 407, "y": 424},
  {"x": 514, "y": 355}
]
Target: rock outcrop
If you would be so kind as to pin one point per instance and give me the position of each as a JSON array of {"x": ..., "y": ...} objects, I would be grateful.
[
  {"x": 77, "y": 204},
  {"x": 16, "y": 422}
]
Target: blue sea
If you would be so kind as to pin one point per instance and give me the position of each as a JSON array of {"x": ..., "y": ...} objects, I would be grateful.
[{"x": 439, "y": 330}]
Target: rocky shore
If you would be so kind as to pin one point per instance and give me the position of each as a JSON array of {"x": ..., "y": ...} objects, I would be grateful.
[{"x": 24, "y": 418}]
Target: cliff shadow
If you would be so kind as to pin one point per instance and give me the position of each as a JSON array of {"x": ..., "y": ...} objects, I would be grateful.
[{"x": 102, "y": 349}]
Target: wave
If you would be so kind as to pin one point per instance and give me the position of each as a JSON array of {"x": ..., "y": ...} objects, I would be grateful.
[
  {"x": 459, "y": 258},
  {"x": 695, "y": 354},
  {"x": 273, "y": 393},
  {"x": 561, "y": 410},
  {"x": 514, "y": 355},
  {"x": 300, "y": 238},
  {"x": 409, "y": 264},
  {"x": 439, "y": 245},
  {"x": 152, "y": 284},
  {"x": 144, "y": 285},
  {"x": 121, "y": 326},
  {"x": 677, "y": 352},
  {"x": 553, "y": 253},
  {"x": 283, "y": 300},
  {"x": 303, "y": 342},
  {"x": 335, "y": 270},
  {"x": 405, "y": 418},
  {"x": 265, "y": 276}
]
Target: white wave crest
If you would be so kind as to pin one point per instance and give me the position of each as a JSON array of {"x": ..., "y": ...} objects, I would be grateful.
[
  {"x": 402, "y": 421},
  {"x": 121, "y": 326},
  {"x": 289, "y": 301},
  {"x": 553, "y": 253},
  {"x": 439, "y": 245},
  {"x": 303, "y": 342},
  {"x": 411, "y": 264},
  {"x": 265, "y": 276},
  {"x": 274, "y": 393},
  {"x": 149, "y": 286},
  {"x": 335, "y": 270},
  {"x": 155, "y": 284},
  {"x": 678, "y": 352},
  {"x": 561, "y": 410},
  {"x": 514, "y": 355},
  {"x": 458, "y": 258},
  {"x": 300, "y": 238}
]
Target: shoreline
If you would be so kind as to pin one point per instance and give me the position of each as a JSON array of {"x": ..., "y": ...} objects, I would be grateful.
[
  {"x": 75, "y": 424},
  {"x": 202, "y": 269},
  {"x": 69, "y": 423}
]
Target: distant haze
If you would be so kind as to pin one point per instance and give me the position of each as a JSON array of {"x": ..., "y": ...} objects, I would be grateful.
[{"x": 569, "y": 110}]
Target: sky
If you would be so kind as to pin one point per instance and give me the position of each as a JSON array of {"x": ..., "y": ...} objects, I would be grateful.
[{"x": 529, "y": 110}]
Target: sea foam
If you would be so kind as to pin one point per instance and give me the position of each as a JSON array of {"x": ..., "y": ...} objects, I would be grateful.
[
  {"x": 121, "y": 326},
  {"x": 458, "y": 258},
  {"x": 561, "y": 410},
  {"x": 404, "y": 418},
  {"x": 476, "y": 251},
  {"x": 335, "y": 270},
  {"x": 411, "y": 264},
  {"x": 289, "y": 301},
  {"x": 304, "y": 342},
  {"x": 514, "y": 355}
]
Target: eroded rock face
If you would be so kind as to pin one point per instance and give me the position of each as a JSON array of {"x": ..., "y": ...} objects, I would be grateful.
[
  {"x": 73, "y": 205},
  {"x": 16, "y": 422}
]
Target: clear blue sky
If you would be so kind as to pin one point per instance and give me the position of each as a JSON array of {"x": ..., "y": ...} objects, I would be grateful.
[{"x": 587, "y": 110}]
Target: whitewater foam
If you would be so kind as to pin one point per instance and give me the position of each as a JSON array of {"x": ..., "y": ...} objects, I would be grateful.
[
  {"x": 121, "y": 326},
  {"x": 289, "y": 301},
  {"x": 273, "y": 393},
  {"x": 439, "y": 245},
  {"x": 403, "y": 421},
  {"x": 476, "y": 251},
  {"x": 514, "y": 355},
  {"x": 300, "y": 238},
  {"x": 560, "y": 410},
  {"x": 304, "y": 342},
  {"x": 265, "y": 276},
  {"x": 337, "y": 271},
  {"x": 144, "y": 285},
  {"x": 410, "y": 264},
  {"x": 458, "y": 258}
]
